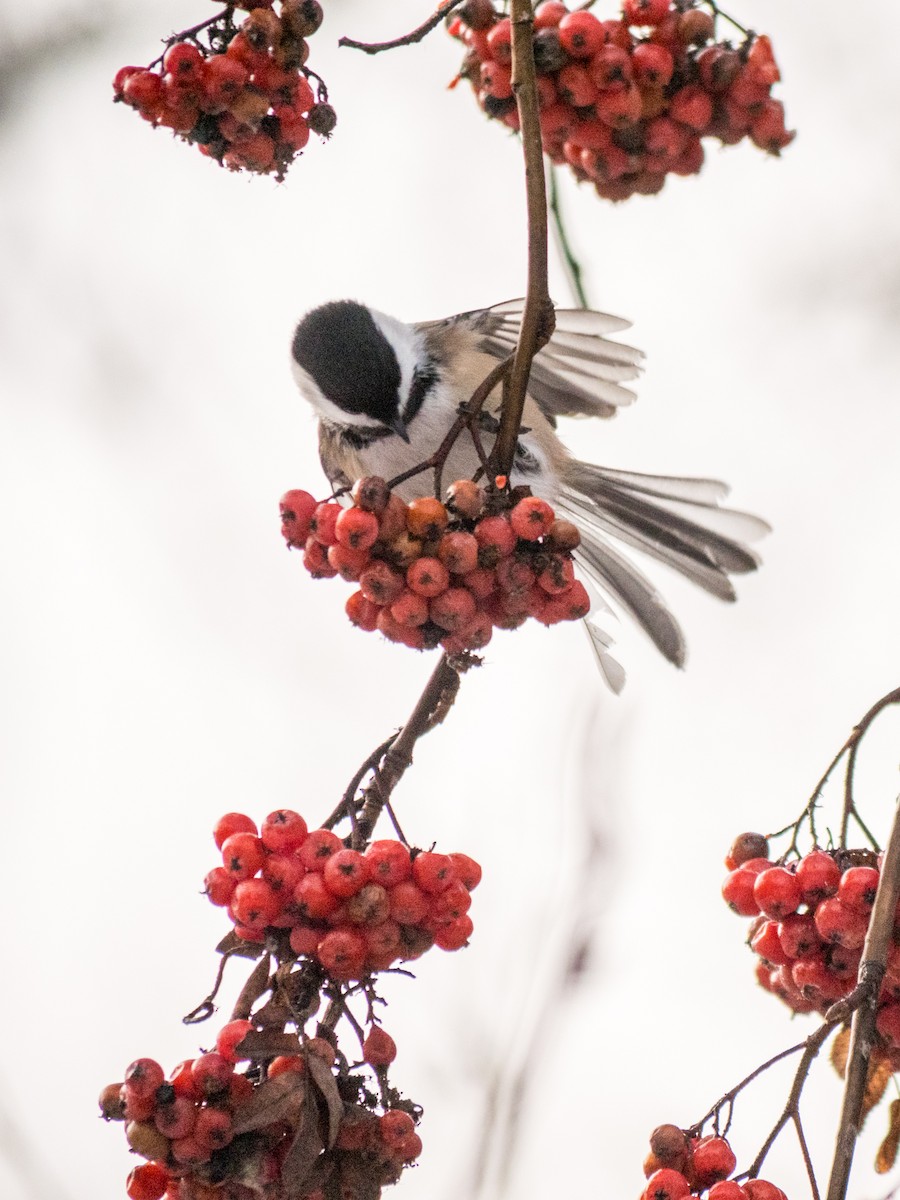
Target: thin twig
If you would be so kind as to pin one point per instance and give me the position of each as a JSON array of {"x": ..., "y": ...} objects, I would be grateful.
[
  {"x": 346, "y": 806},
  {"x": 538, "y": 318},
  {"x": 570, "y": 262},
  {"x": 862, "y": 1034},
  {"x": 445, "y": 678},
  {"x": 408, "y": 39},
  {"x": 852, "y": 744}
]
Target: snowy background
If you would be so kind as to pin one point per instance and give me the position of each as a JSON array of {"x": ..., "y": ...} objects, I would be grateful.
[{"x": 164, "y": 660}]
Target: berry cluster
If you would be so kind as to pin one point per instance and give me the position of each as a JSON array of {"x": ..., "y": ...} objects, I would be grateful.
[
  {"x": 433, "y": 574},
  {"x": 810, "y": 919},
  {"x": 211, "y": 1132},
  {"x": 680, "y": 1165},
  {"x": 351, "y": 912},
  {"x": 626, "y": 102},
  {"x": 244, "y": 99}
]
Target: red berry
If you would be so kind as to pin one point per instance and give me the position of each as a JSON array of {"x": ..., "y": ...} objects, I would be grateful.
[
  {"x": 381, "y": 584},
  {"x": 727, "y": 1189},
  {"x": 143, "y": 90},
  {"x": 324, "y": 521},
  {"x": 549, "y": 14},
  {"x": 389, "y": 862},
  {"x": 644, "y": 12},
  {"x": 232, "y": 823},
  {"x": 219, "y": 886},
  {"x": 467, "y": 869},
  {"x": 182, "y": 1080},
  {"x": 712, "y": 1160},
  {"x": 767, "y": 944},
  {"x": 121, "y": 78},
  {"x": 212, "y": 1073},
  {"x": 282, "y": 872},
  {"x": 798, "y": 936},
  {"x": 345, "y": 872},
  {"x": 242, "y": 855},
  {"x": 188, "y": 1152},
  {"x": 495, "y": 540},
  {"x": 427, "y": 577},
  {"x": 255, "y": 904},
  {"x": 176, "y": 1120},
  {"x": 410, "y": 609},
  {"x": 737, "y": 891},
  {"x": 285, "y": 1064},
  {"x": 342, "y": 953},
  {"x": 304, "y": 939},
  {"x": 379, "y": 1048},
  {"x": 452, "y": 609},
  {"x": 409, "y": 1148},
  {"x": 666, "y": 1184},
  {"x": 213, "y": 1128},
  {"x": 858, "y": 887},
  {"x": 837, "y": 923},
  {"x": 653, "y": 64},
  {"x": 229, "y": 1036},
  {"x": 581, "y": 34},
  {"x": 455, "y": 934},
  {"x": 356, "y": 529},
  {"x": 184, "y": 62},
  {"x": 458, "y": 551},
  {"x": 761, "y": 1189},
  {"x": 777, "y": 892},
  {"x": 433, "y": 872},
  {"x": 318, "y": 847},
  {"x": 692, "y": 106},
  {"x": 147, "y": 1182},
  {"x": 408, "y": 903},
  {"x": 819, "y": 877},
  {"x": 313, "y": 899},
  {"x": 362, "y": 612},
  {"x": 499, "y": 41},
  {"x": 142, "y": 1078},
  {"x": 283, "y": 831}
]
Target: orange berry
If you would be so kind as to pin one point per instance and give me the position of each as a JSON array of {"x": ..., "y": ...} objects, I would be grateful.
[{"x": 426, "y": 518}]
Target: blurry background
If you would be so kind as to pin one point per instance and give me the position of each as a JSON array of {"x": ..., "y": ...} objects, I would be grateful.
[{"x": 165, "y": 661}]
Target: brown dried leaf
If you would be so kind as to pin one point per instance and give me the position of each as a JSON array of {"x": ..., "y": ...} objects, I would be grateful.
[
  {"x": 273, "y": 1100},
  {"x": 266, "y": 1043},
  {"x": 232, "y": 944},
  {"x": 887, "y": 1151},
  {"x": 880, "y": 1072},
  {"x": 305, "y": 1150},
  {"x": 839, "y": 1050},
  {"x": 322, "y": 1076}
]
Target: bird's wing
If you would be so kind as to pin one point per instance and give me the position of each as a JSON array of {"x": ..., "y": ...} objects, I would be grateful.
[{"x": 579, "y": 373}]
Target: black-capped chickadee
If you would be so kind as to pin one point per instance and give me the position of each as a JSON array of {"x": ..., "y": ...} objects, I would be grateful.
[{"x": 386, "y": 394}]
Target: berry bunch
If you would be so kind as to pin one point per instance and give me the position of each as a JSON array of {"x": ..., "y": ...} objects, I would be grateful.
[
  {"x": 353, "y": 913},
  {"x": 433, "y": 574},
  {"x": 810, "y": 919},
  {"x": 625, "y": 102},
  {"x": 680, "y": 1165},
  {"x": 244, "y": 98},
  {"x": 211, "y": 1132}
]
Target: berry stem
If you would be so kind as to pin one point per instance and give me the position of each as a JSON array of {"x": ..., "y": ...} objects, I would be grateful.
[
  {"x": 570, "y": 262},
  {"x": 347, "y": 807},
  {"x": 871, "y": 974},
  {"x": 408, "y": 39},
  {"x": 852, "y": 745},
  {"x": 538, "y": 318},
  {"x": 225, "y": 15},
  {"x": 206, "y": 1007}
]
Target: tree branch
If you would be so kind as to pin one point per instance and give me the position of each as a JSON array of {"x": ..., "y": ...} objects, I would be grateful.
[
  {"x": 538, "y": 318},
  {"x": 871, "y": 974}
]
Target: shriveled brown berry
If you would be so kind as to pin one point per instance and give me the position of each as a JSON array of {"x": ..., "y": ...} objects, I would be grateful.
[
  {"x": 262, "y": 29},
  {"x": 371, "y": 493},
  {"x": 564, "y": 535},
  {"x": 466, "y": 498},
  {"x": 746, "y": 846},
  {"x": 145, "y": 1139},
  {"x": 303, "y": 17},
  {"x": 695, "y": 27},
  {"x": 477, "y": 14},
  {"x": 669, "y": 1144},
  {"x": 322, "y": 119},
  {"x": 112, "y": 1103}
]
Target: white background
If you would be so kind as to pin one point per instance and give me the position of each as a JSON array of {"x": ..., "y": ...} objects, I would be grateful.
[{"x": 164, "y": 660}]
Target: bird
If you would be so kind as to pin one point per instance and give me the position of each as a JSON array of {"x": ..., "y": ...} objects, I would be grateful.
[{"x": 386, "y": 393}]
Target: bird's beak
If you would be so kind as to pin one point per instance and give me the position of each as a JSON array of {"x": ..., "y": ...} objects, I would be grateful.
[{"x": 399, "y": 428}]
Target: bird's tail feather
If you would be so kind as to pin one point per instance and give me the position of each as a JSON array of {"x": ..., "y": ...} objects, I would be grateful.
[{"x": 675, "y": 520}]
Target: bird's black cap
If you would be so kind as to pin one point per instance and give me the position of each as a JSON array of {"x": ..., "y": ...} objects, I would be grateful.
[{"x": 350, "y": 359}]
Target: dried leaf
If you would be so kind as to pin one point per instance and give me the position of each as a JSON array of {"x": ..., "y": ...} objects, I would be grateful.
[
  {"x": 305, "y": 1150},
  {"x": 887, "y": 1151},
  {"x": 267, "y": 1043},
  {"x": 323, "y": 1078},
  {"x": 257, "y": 985},
  {"x": 273, "y": 1100},
  {"x": 839, "y": 1050},
  {"x": 880, "y": 1072},
  {"x": 232, "y": 944}
]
